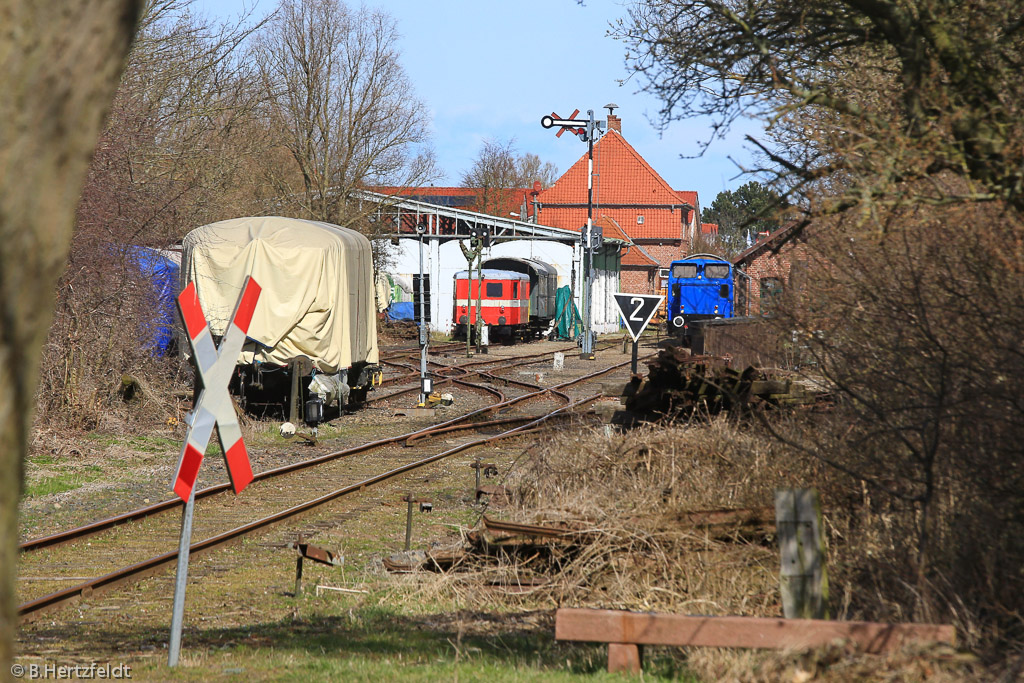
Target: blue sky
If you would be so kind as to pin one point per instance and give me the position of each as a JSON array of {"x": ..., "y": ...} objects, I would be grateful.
[{"x": 491, "y": 69}]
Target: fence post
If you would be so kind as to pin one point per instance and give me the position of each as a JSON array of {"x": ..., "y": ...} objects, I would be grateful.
[{"x": 803, "y": 577}]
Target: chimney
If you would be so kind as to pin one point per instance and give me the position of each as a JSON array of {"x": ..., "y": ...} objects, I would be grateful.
[{"x": 614, "y": 122}]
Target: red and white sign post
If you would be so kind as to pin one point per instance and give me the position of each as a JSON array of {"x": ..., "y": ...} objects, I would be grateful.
[{"x": 214, "y": 407}]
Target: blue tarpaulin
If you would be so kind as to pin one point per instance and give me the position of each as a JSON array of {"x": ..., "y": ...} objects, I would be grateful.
[
  {"x": 401, "y": 310},
  {"x": 162, "y": 273}
]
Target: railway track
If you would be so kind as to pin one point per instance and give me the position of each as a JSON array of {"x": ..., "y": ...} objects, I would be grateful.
[
  {"x": 468, "y": 421},
  {"x": 279, "y": 490}
]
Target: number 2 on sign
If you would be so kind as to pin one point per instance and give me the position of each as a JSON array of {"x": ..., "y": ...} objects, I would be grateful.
[{"x": 635, "y": 315}]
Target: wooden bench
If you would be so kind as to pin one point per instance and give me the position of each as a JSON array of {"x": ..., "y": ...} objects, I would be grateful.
[{"x": 626, "y": 632}]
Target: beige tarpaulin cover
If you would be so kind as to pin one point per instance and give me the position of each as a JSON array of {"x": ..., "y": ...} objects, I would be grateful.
[{"x": 317, "y": 279}]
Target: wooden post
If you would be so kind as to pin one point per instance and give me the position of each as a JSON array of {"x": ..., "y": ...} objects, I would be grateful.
[
  {"x": 803, "y": 577},
  {"x": 625, "y": 658}
]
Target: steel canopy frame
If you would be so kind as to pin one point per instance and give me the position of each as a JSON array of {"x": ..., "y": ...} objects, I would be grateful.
[{"x": 446, "y": 223}]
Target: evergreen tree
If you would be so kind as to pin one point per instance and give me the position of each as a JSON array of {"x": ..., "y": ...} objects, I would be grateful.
[{"x": 748, "y": 210}]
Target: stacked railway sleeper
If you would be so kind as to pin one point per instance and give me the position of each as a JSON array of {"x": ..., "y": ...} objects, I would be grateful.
[
  {"x": 680, "y": 384},
  {"x": 499, "y": 400}
]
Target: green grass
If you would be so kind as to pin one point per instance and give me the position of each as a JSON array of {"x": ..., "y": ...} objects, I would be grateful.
[
  {"x": 60, "y": 483},
  {"x": 145, "y": 444},
  {"x": 382, "y": 644}
]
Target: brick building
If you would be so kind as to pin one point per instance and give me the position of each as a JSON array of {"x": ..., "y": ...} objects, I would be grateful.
[
  {"x": 630, "y": 200},
  {"x": 770, "y": 270}
]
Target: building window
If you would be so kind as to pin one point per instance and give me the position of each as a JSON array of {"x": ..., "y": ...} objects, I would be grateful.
[
  {"x": 640, "y": 220},
  {"x": 771, "y": 292}
]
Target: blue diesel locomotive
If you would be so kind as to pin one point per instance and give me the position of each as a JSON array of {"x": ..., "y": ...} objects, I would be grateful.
[{"x": 700, "y": 287}]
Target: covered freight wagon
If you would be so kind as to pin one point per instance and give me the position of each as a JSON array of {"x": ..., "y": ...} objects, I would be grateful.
[{"x": 313, "y": 335}]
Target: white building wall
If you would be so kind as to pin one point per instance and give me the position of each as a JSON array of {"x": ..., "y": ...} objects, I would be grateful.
[{"x": 443, "y": 259}]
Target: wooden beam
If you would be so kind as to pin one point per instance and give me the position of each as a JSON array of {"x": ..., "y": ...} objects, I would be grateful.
[{"x": 612, "y": 626}]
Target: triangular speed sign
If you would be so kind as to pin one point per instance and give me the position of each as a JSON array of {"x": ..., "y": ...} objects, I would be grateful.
[{"x": 637, "y": 310}]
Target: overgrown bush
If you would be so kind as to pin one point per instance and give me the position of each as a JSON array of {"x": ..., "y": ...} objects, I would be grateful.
[
  {"x": 916, "y": 316},
  {"x": 99, "y": 367}
]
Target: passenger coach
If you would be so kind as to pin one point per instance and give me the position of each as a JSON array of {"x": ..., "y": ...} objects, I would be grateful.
[{"x": 504, "y": 302}]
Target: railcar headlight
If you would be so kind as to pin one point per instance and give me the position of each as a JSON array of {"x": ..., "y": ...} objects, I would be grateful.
[{"x": 677, "y": 321}]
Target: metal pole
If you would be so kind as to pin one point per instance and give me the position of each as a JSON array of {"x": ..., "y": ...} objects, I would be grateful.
[
  {"x": 424, "y": 334},
  {"x": 178, "y": 613},
  {"x": 478, "y": 248},
  {"x": 632, "y": 367},
  {"x": 588, "y": 341},
  {"x": 469, "y": 308}
]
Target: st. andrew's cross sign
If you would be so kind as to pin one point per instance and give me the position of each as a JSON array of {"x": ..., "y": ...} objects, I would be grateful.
[{"x": 214, "y": 406}]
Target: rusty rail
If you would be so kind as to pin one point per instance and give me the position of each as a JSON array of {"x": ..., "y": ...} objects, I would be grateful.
[
  {"x": 31, "y": 609},
  {"x": 54, "y": 540}
]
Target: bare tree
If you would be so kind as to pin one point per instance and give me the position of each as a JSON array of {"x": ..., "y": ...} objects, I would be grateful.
[
  {"x": 342, "y": 107},
  {"x": 497, "y": 168},
  {"x": 531, "y": 169},
  {"x": 175, "y": 153},
  {"x": 943, "y": 94},
  {"x": 58, "y": 91}
]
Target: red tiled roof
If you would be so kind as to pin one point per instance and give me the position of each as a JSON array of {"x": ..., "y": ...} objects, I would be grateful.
[
  {"x": 611, "y": 228},
  {"x": 625, "y": 179},
  {"x": 709, "y": 228},
  {"x": 688, "y": 197},
  {"x": 634, "y": 255}
]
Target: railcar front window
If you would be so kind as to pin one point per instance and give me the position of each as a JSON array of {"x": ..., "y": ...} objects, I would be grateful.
[
  {"x": 684, "y": 270},
  {"x": 716, "y": 270},
  {"x": 493, "y": 290}
]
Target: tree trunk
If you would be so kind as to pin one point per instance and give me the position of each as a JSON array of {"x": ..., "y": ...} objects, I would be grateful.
[{"x": 60, "y": 63}]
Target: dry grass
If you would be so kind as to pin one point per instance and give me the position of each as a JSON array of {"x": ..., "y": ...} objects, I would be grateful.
[{"x": 627, "y": 494}]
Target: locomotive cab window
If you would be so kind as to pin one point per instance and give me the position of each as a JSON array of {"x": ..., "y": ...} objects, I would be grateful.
[
  {"x": 515, "y": 290},
  {"x": 493, "y": 290},
  {"x": 716, "y": 270},
  {"x": 684, "y": 270}
]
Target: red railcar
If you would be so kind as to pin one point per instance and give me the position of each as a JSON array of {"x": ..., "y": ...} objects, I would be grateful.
[{"x": 504, "y": 303}]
